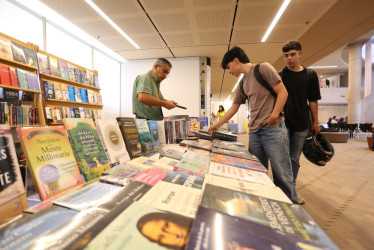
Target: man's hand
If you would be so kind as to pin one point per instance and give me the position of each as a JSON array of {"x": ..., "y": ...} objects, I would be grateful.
[
  {"x": 213, "y": 128},
  {"x": 271, "y": 121},
  {"x": 316, "y": 129},
  {"x": 169, "y": 104}
]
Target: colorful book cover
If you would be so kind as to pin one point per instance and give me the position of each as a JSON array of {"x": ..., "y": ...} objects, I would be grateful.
[
  {"x": 5, "y": 76},
  {"x": 201, "y": 143},
  {"x": 71, "y": 73},
  {"x": 5, "y": 49},
  {"x": 18, "y": 53},
  {"x": 165, "y": 163},
  {"x": 78, "y": 94},
  {"x": 87, "y": 146},
  {"x": 123, "y": 177},
  {"x": 49, "y": 90},
  {"x": 153, "y": 129},
  {"x": 142, "y": 161},
  {"x": 144, "y": 227},
  {"x": 214, "y": 230},
  {"x": 53, "y": 66},
  {"x": 282, "y": 217},
  {"x": 77, "y": 74},
  {"x": 90, "y": 96},
  {"x": 239, "y": 154},
  {"x": 113, "y": 142},
  {"x": 71, "y": 93},
  {"x": 192, "y": 166},
  {"x": 144, "y": 135},
  {"x": 43, "y": 63},
  {"x": 173, "y": 153},
  {"x": 197, "y": 156},
  {"x": 58, "y": 91},
  {"x": 22, "y": 78},
  {"x": 13, "y": 77},
  {"x": 64, "y": 70},
  {"x": 238, "y": 162},
  {"x": 173, "y": 198},
  {"x": 50, "y": 159},
  {"x": 90, "y": 77},
  {"x": 65, "y": 92},
  {"x": 84, "y": 95},
  {"x": 31, "y": 57},
  {"x": 229, "y": 145},
  {"x": 239, "y": 173},
  {"x": 11, "y": 185},
  {"x": 130, "y": 136},
  {"x": 150, "y": 176},
  {"x": 33, "y": 81},
  {"x": 184, "y": 179},
  {"x": 83, "y": 77},
  {"x": 11, "y": 96},
  {"x": 96, "y": 81}
]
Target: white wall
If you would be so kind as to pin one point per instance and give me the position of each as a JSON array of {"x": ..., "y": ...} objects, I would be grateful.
[
  {"x": 182, "y": 85},
  {"x": 333, "y": 96}
]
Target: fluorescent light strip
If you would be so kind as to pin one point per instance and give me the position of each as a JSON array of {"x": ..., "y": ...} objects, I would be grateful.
[
  {"x": 276, "y": 18},
  {"x": 115, "y": 26},
  {"x": 228, "y": 98},
  {"x": 322, "y": 67},
  {"x": 236, "y": 85}
]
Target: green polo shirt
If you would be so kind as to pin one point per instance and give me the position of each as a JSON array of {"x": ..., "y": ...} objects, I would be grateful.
[{"x": 145, "y": 84}]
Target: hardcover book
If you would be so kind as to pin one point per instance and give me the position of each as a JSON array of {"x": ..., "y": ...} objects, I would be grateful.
[
  {"x": 87, "y": 147},
  {"x": 112, "y": 140},
  {"x": 71, "y": 93},
  {"x": 22, "y": 78},
  {"x": 184, "y": 179},
  {"x": 53, "y": 66},
  {"x": 11, "y": 185},
  {"x": 18, "y": 53},
  {"x": 173, "y": 198},
  {"x": 31, "y": 57},
  {"x": 13, "y": 77},
  {"x": 130, "y": 136},
  {"x": 33, "y": 81},
  {"x": 58, "y": 91},
  {"x": 153, "y": 129},
  {"x": 50, "y": 159},
  {"x": 150, "y": 176},
  {"x": 43, "y": 63},
  {"x": 5, "y": 49},
  {"x": 49, "y": 90},
  {"x": 238, "y": 162},
  {"x": 63, "y": 68},
  {"x": 144, "y": 135}
]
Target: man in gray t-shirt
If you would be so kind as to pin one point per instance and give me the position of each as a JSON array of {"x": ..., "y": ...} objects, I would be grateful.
[{"x": 268, "y": 134}]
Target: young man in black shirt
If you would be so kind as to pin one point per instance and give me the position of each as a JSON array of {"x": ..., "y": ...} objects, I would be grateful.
[{"x": 303, "y": 92}]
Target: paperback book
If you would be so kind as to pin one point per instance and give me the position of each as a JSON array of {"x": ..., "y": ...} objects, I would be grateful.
[
  {"x": 49, "y": 90},
  {"x": 165, "y": 163},
  {"x": 238, "y": 162},
  {"x": 64, "y": 70},
  {"x": 33, "y": 81},
  {"x": 13, "y": 77},
  {"x": 184, "y": 179},
  {"x": 239, "y": 154},
  {"x": 144, "y": 135},
  {"x": 31, "y": 57},
  {"x": 43, "y": 63},
  {"x": 5, "y": 49},
  {"x": 53, "y": 66},
  {"x": 58, "y": 91},
  {"x": 192, "y": 166},
  {"x": 18, "y": 53},
  {"x": 22, "y": 78},
  {"x": 71, "y": 72},
  {"x": 122, "y": 177},
  {"x": 150, "y": 176},
  {"x": 153, "y": 129},
  {"x": 142, "y": 161},
  {"x": 130, "y": 136},
  {"x": 65, "y": 92}
]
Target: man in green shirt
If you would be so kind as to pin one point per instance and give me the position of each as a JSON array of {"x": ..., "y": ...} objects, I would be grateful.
[{"x": 147, "y": 99}]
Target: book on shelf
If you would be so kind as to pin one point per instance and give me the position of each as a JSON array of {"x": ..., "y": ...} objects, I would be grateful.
[
  {"x": 78, "y": 94},
  {"x": 5, "y": 49},
  {"x": 71, "y": 73},
  {"x": 76, "y": 113},
  {"x": 50, "y": 159},
  {"x": 82, "y": 112},
  {"x": 33, "y": 81},
  {"x": 153, "y": 129},
  {"x": 184, "y": 179},
  {"x": 71, "y": 93},
  {"x": 22, "y": 78},
  {"x": 5, "y": 76},
  {"x": 11, "y": 97},
  {"x": 13, "y": 77},
  {"x": 96, "y": 81},
  {"x": 84, "y": 95},
  {"x": 65, "y": 92},
  {"x": 64, "y": 70},
  {"x": 137, "y": 227},
  {"x": 49, "y": 90},
  {"x": 130, "y": 136},
  {"x": 144, "y": 135},
  {"x": 48, "y": 114},
  {"x": 90, "y": 96},
  {"x": 238, "y": 162},
  {"x": 77, "y": 74},
  {"x": 83, "y": 77},
  {"x": 43, "y": 63},
  {"x": 58, "y": 91},
  {"x": 90, "y": 77},
  {"x": 112, "y": 140},
  {"x": 11, "y": 185},
  {"x": 87, "y": 146},
  {"x": 18, "y": 53},
  {"x": 53, "y": 66},
  {"x": 31, "y": 57}
]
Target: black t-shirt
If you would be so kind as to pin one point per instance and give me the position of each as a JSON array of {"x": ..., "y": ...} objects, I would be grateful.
[{"x": 300, "y": 91}]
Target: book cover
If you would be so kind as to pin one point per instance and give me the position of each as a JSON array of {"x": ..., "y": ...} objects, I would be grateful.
[
  {"x": 165, "y": 163},
  {"x": 5, "y": 49},
  {"x": 50, "y": 159},
  {"x": 229, "y": 145},
  {"x": 144, "y": 135},
  {"x": 142, "y": 161},
  {"x": 197, "y": 156},
  {"x": 144, "y": 227},
  {"x": 150, "y": 176},
  {"x": 77, "y": 74},
  {"x": 87, "y": 146},
  {"x": 90, "y": 96},
  {"x": 239, "y": 154},
  {"x": 5, "y": 76},
  {"x": 11, "y": 185},
  {"x": 173, "y": 198},
  {"x": 63, "y": 68},
  {"x": 258, "y": 189},
  {"x": 96, "y": 81},
  {"x": 238, "y": 162},
  {"x": 31, "y": 57},
  {"x": 49, "y": 90},
  {"x": 11, "y": 97},
  {"x": 90, "y": 77},
  {"x": 71, "y": 93},
  {"x": 48, "y": 114},
  {"x": 53, "y": 66},
  {"x": 173, "y": 153},
  {"x": 184, "y": 179},
  {"x": 65, "y": 92},
  {"x": 214, "y": 230},
  {"x": 18, "y": 53},
  {"x": 192, "y": 166},
  {"x": 78, "y": 94},
  {"x": 83, "y": 77},
  {"x": 43, "y": 63},
  {"x": 130, "y": 136},
  {"x": 58, "y": 91},
  {"x": 225, "y": 136},
  {"x": 33, "y": 81},
  {"x": 203, "y": 122},
  {"x": 123, "y": 177},
  {"x": 13, "y": 77},
  {"x": 282, "y": 217},
  {"x": 71, "y": 72},
  {"x": 201, "y": 143},
  {"x": 153, "y": 129},
  {"x": 161, "y": 132},
  {"x": 239, "y": 173},
  {"x": 22, "y": 78},
  {"x": 84, "y": 95},
  {"x": 82, "y": 112},
  {"x": 112, "y": 140}
]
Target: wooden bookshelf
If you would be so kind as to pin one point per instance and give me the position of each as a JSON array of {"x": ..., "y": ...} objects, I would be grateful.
[{"x": 68, "y": 82}]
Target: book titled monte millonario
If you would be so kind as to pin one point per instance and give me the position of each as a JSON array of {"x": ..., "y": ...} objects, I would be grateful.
[
  {"x": 50, "y": 159},
  {"x": 87, "y": 146},
  {"x": 130, "y": 136}
]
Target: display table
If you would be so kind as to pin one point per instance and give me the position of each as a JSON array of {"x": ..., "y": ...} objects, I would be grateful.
[{"x": 336, "y": 137}]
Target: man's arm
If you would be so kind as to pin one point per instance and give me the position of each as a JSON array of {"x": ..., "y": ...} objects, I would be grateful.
[
  {"x": 314, "y": 110},
  {"x": 282, "y": 95},
  {"x": 232, "y": 111},
  {"x": 153, "y": 101}
]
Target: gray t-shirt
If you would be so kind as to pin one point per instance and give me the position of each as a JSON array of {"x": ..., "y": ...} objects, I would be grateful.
[{"x": 261, "y": 102}]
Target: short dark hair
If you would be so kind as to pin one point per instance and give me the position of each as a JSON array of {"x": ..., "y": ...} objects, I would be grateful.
[
  {"x": 161, "y": 62},
  {"x": 291, "y": 45},
  {"x": 223, "y": 108},
  {"x": 233, "y": 53}
]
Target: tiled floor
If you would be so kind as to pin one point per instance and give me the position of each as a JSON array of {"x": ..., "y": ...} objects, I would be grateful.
[{"x": 340, "y": 195}]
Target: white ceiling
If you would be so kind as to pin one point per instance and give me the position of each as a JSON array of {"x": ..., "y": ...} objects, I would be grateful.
[{"x": 186, "y": 28}]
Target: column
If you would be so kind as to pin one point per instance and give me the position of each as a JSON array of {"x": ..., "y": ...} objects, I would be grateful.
[{"x": 354, "y": 83}]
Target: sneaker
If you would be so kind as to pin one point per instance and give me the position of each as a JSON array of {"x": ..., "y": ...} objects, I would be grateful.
[{"x": 301, "y": 201}]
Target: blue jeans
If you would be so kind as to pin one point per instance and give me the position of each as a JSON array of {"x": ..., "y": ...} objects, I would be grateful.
[
  {"x": 271, "y": 143},
  {"x": 296, "y": 140}
]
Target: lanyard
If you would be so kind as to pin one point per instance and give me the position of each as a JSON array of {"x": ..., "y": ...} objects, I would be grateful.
[{"x": 159, "y": 94}]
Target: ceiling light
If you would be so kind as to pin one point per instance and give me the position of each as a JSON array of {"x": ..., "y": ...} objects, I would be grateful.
[
  {"x": 115, "y": 26},
  {"x": 276, "y": 18},
  {"x": 322, "y": 67},
  {"x": 236, "y": 85}
]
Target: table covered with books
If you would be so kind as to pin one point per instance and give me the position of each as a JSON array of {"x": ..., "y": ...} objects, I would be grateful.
[{"x": 134, "y": 184}]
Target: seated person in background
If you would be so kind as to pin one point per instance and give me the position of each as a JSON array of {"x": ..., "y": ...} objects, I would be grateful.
[
  {"x": 334, "y": 120},
  {"x": 329, "y": 122},
  {"x": 221, "y": 112}
]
